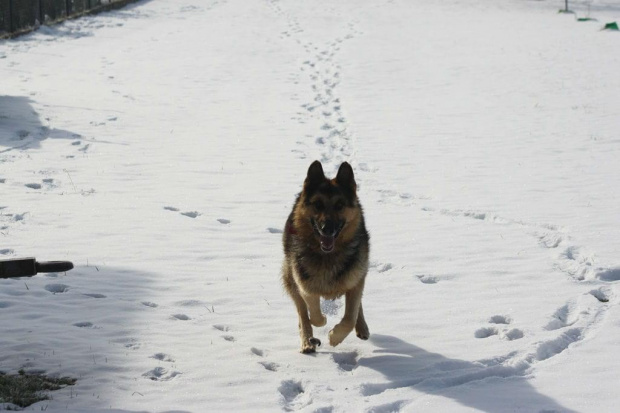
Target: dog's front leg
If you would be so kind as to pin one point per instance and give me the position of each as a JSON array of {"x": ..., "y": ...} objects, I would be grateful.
[
  {"x": 351, "y": 311},
  {"x": 313, "y": 302},
  {"x": 308, "y": 342}
]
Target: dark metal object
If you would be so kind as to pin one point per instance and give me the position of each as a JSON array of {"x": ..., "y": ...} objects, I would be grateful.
[
  {"x": 27, "y": 267},
  {"x": 22, "y": 16}
]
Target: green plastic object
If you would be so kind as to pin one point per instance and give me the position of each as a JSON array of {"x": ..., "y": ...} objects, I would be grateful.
[{"x": 611, "y": 26}]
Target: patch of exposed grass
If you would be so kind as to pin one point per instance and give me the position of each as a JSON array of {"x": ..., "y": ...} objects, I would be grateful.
[{"x": 25, "y": 389}]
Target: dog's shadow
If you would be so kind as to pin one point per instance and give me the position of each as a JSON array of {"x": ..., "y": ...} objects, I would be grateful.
[{"x": 406, "y": 365}]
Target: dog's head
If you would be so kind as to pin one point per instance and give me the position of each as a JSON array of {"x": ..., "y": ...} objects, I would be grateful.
[{"x": 329, "y": 207}]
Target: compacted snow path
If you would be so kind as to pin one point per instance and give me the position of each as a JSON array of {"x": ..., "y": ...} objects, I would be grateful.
[{"x": 160, "y": 148}]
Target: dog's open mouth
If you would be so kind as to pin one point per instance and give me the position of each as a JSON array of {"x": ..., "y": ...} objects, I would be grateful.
[{"x": 327, "y": 241}]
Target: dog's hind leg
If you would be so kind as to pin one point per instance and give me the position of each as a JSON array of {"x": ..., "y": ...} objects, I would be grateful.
[
  {"x": 351, "y": 312},
  {"x": 361, "y": 328}
]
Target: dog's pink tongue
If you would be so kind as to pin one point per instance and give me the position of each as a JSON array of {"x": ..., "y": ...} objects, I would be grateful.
[{"x": 327, "y": 243}]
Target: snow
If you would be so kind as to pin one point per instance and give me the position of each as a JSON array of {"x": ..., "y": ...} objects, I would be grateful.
[{"x": 160, "y": 147}]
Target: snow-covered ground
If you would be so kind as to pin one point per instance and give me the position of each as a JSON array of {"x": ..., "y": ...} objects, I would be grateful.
[{"x": 160, "y": 148}]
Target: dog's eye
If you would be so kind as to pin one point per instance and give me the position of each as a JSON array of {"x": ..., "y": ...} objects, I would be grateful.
[
  {"x": 318, "y": 205},
  {"x": 339, "y": 205}
]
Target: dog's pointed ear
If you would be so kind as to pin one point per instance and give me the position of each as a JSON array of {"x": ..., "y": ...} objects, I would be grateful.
[
  {"x": 345, "y": 177},
  {"x": 315, "y": 176}
]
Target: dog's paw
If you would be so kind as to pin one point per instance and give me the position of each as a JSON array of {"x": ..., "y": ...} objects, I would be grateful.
[
  {"x": 308, "y": 349},
  {"x": 310, "y": 345},
  {"x": 362, "y": 332},
  {"x": 363, "y": 336},
  {"x": 318, "y": 322},
  {"x": 314, "y": 341},
  {"x": 337, "y": 334}
]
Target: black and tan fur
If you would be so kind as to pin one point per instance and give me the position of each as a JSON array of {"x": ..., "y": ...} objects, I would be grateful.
[{"x": 326, "y": 249}]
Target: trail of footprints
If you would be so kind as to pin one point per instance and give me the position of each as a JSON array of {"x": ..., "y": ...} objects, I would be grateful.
[
  {"x": 571, "y": 319},
  {"x": 196, "y": 214},
  {"x": 164, "y": 372},
  {"x": 293, "y": 391},
  {"x": 47, "y": 183},
  {"x": 572, "y": 260},
  {"x": 320, "y": 68}
]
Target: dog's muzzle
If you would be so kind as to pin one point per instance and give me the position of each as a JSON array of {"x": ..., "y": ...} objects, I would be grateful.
[{"x": 327, "y": 231}]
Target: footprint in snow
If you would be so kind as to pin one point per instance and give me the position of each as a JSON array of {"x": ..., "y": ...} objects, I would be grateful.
[
  {"x": 346, "y": 361},
  {"x": 191, "y": 303},
  {"x": 18, "y": 217},
  {"x": 505, "y": 334},
  {"x": 428, "y": 279},
  {"x": 149, "y": 304},
  {"x": 57, "y": 288},
  {"x": 160, "y": 374},
  {"x": 500, "y": 319},
  {"x": 224, "y": 328},
  {"x": 163, "y": 357},
  {"x": 85, "y": 324},
  {"x": 95, "y": 295},
  {"x": 486, "y": 332},
  {"x": 190, "y": 214},
  {"x": 550, "y": 240},
  {"x": 33, "y": 186},
  {"x": 290, "y": 391},
  {"x": 275, "y": 230},
  {"x": 182, "y": 317},
  {"x": 385, "y": 267},
  {"x": 609, "y": 274},
  {"x": 388, "y": 407},
  {"x": 381, "y": 267},
  {"x": 223, "y": 221},
  {"x": 513, "y": 334},
  {"x": 257, "y": 352},
  {"x": 601, "y": 294},
  {"x": 268, "y": 365}
]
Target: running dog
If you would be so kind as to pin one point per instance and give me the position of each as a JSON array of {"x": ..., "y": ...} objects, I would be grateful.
[{"x": 326, "y": 249}]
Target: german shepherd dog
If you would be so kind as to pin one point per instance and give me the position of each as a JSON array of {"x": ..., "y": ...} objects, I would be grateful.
[{"x": 326, "y": 249}]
